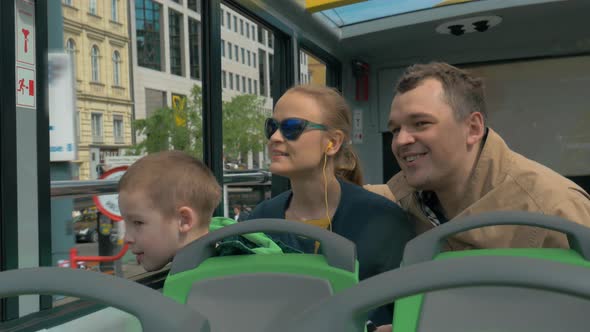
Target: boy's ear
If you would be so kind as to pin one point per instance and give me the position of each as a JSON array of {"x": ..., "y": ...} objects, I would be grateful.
[{"x": 188, "y": 219}]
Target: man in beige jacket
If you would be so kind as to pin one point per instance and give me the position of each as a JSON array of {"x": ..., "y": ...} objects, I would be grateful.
[{"x": 452, "y": 165}]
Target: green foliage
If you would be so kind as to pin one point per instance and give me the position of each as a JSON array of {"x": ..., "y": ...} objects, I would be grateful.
[
  {"x": 243, "y": 126},
  {"x": 181, "y": 127}
]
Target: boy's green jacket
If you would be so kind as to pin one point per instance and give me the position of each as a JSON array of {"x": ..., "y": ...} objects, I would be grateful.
[{"x": 254, "y": 243}]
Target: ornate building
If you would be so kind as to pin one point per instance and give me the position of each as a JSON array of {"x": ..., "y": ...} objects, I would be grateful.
[{"x": 96, "y": 34}]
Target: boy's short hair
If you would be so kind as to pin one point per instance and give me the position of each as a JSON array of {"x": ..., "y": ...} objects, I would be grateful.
[{"x": 171, "y": 179}]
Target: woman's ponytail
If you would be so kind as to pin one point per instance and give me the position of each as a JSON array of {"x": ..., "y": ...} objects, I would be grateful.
[{"x": 347, "y": 165}]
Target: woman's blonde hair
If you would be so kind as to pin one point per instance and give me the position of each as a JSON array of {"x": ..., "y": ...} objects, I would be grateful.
[{"x": 337, "y": 115}]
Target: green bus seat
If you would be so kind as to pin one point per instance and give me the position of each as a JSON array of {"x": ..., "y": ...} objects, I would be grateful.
[
  {"x": 346, "y": 311},
  {"x": 253, "y": 292},
  {"x": 493, "y": 308}
]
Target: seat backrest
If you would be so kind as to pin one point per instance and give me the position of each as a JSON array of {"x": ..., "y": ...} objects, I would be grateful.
[
  {"x": 499, "y": 307},
  {"x": 346, "y": 311},
  {"x": 154, "y": 311},
  {"x": 266, "y": 283},
  {"x": 255, "y": 302}
]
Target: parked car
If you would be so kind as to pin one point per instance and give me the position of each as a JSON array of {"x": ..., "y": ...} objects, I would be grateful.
[{"x": 85, "y": 227}]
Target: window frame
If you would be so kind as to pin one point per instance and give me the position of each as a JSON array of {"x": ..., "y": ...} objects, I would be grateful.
[
  {"x": 118, "y": 139},
  {"x": 116, "y": 68},
  {"x": 194, "y": 51},
  {"x": 95, "y": 64},
  {"x": 93, "y": 7},
  {"x": 178, "y": 23},
  {"x": 144, "y": 61},
  {"x": 115, "y": 10},
  {"x": 71, "y": 50},
  {"x": 97, "y": 138}
]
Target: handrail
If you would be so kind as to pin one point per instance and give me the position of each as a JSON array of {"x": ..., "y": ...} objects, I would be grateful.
[
  {"x": 74, "y": 258},
  {"x": 87, "y": 188}
]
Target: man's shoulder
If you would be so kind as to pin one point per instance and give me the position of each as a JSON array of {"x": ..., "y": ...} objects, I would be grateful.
[
  {"x": 541, "y": 182},
  {"x": 395, "y": 189}
]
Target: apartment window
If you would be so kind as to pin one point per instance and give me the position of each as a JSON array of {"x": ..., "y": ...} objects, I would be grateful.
[
  {"x": 255, "y": 87},
  {"x": 116, "y": 68},
  {"x": 229, "y": 50},
  {"x": 228, "y": 15},
  {"x": 254, "y": 59},
  {"x": 92, "y": 7},
  {"x": 235, "y": 24},
  {"x": 147, "y": 22},
  {"x": 94, "y": 63},
  {"x": 253, "y": 33},
  {"x": 243, "y": 84},
  {"x": 115, "y": 10},
  {"x": 270, "y": 40},
  {"x": 247, "y": 30},
  {"x": 96, "y": 119},
  {"x": 262, "y": 71},
  {"x": 78, "y": 125},
  {"x": 261, "y": 33},
  {"x": 237, "y": 82},
  {"x": 249, "y": 59},
  {"x": 249, "y": 85},
  {"x": 270, "y": 69},
  {"x": 223, "y": 48},
  {"x": 231, "y": 81},
  {"x": 241, "y": 27},
  {"x": 194, "y": 31},
  {"x": 236, "y": 49},
  {"x": 175, "y": 28},
  {"x": 71, "y": 50},
  {"x": 222, "y": 18},
  {"x": 193, "y": 5},
  {"x": 154, "y": 100},
  {"x": 224, "y": 79},
  {"x": 118, "y": 129}
]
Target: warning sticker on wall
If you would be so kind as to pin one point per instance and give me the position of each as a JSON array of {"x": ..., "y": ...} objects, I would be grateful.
[
  {"x": 25, "y": 66},
  {"x": 357, "y": 127},
  {"x": 25, "y": 87}
]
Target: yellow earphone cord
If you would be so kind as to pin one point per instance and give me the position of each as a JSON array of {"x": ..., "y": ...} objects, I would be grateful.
[
  {"x": 326, "y": 190},
  {"x": 317, "y": 244}
]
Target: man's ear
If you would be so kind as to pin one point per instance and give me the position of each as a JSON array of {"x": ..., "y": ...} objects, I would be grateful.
[
  {"x": 475, "y": 128},
  {"x": 189, "y": 219}
]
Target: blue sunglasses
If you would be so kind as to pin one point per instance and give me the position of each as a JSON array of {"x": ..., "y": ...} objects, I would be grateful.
[{"x": 290, "y": 128}]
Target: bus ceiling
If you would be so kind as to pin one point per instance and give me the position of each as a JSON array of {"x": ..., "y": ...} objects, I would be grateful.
[{"x": 454, "y": 31}]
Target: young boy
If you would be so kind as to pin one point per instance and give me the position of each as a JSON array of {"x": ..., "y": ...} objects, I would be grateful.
[{"x": 167, "y": 200}]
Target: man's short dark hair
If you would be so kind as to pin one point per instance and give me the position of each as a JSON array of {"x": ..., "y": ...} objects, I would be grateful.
[{"x": 462, "y": 91}]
